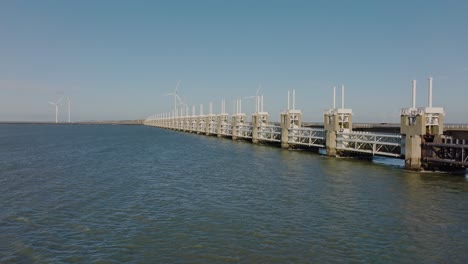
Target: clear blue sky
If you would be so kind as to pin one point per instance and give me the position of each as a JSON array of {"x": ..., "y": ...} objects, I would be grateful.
[{"x": 117, "y": 59}]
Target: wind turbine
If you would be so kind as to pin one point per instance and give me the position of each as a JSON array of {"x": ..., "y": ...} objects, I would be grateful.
[
  {"x": 69, "y": 108},
  {"x": 256, "y": 97},
  {"x": 56, "y": 108},
  {"x": 176, "y": 97}
]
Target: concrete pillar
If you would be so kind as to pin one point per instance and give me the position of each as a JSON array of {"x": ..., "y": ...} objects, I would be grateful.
[
  {"x": 336, "y": 120},
  {"x": 412, "y": 128},
  {"x": 331, "y": 127},
  {"x": 258, "y": 120},
  {"x": 222, "y": 121},
  {"x": 214, "y": 128},
  {"x": 234, "y": 127},
  {"x": 218, "y": 128},
  {"x": 193, "y": 124},
  {"x": 415, "y": 124},
  {"x": 210, "y": 122},
  {"x": 255, "y": 124},
  {"x": 284, "y": 122},
  {"x": 207, "y": 125},
  {"x": 289, "y": 119},
  {"x": 200, "y": 121}
]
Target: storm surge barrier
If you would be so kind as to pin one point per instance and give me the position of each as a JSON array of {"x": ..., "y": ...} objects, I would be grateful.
[{"x": 420, "y": 143}]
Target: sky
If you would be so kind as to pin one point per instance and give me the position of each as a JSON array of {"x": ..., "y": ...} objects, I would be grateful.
[{"x": 118, "y": 59}]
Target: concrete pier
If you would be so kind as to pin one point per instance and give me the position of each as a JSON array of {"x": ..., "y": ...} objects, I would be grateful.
[
  {"x": 234, "y": 127},
  {"x": 417, "y": 125},
  {"x": 201, "y": 124},
  {"x": 222, "y": 123},
  {"x": 336, "y": 120},
  {"x": 259, "y": 119},
  {"x": 238, "y": 122},
  {"x": 289, "y": 119}
]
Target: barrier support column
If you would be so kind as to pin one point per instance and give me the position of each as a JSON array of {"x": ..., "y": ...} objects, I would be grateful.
[
  {"x": 289, "y": 119},
  {"x": 222, "y": 121},
  {"x": 416, "y": 126},
  {"x": 335, "y": 121},
  {"x": 259, "y": 119},
  {"x": 234, "y": 127},
  {"x": 207, "y": 125}
]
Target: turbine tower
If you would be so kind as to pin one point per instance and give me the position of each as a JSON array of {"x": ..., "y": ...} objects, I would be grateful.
[
  {"x": 56, "y": 108},
  {"x": 176, "y": 98},
  {"x": 69, "y": 108}
]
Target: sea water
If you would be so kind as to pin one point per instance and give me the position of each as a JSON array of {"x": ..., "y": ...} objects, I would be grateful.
[{"x": 136, "y": 194}]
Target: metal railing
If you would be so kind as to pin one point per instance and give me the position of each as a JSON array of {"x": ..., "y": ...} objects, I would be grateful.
[
  {"x": 201, "y": 127},
  {"x": 269, "y": 133},
  {"x": 226, "y": 129},
  {"x": 311, "y": 137},
  {"x": 244, "y": 130},
  {"x": 461, "y": 127},
  {"x": 193, "y": 126},
  {"x": 213, "y": 127},
  {"x": 371, "y": 143}
]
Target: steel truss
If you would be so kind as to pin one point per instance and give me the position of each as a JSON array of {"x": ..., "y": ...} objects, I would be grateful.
[
  {"x": 193, "y": 125},
  {"x": 450, "y": 151},
  {"x": 226, "y": 129},
  {"x": 212, "y": 126},
  {"x": 310, "y": 137},
  {"x": 244, "y": 130},
  {"x": 201, "y": 126},
  {"x": 269, "y": 133},
  {"x": 371, "y": 143},
  {"x": 187, "y": 124}
]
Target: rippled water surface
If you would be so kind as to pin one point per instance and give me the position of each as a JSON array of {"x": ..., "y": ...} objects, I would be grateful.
[{"x": 134, "y": 194}]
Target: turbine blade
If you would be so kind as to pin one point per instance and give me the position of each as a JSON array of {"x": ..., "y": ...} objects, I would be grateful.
[
  {"x": 180, "y": 100},
  {"x": 177, "y": 86}
]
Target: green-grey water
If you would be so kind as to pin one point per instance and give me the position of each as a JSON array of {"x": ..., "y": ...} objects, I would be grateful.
[{"x": 135, "y": 194}]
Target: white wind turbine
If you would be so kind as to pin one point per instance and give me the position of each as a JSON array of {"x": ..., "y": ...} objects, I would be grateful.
[
  {"x": 69, "y": 108},
  {"x": 257, "y": 99},
  {"x": 56, "y": 108},
  {"x": 176, "y": 98}
]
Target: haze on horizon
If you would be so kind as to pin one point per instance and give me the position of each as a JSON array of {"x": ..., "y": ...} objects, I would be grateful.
[{"x": 118, "y": 59}]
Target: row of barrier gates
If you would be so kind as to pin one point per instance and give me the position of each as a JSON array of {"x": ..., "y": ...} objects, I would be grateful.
[
  {"x": 420, "y": 142},
  {"x": 260, "y": 131}
]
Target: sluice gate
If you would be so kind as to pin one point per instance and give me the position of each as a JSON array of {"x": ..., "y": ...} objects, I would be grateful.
[{"x": 448, "y": 151}]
